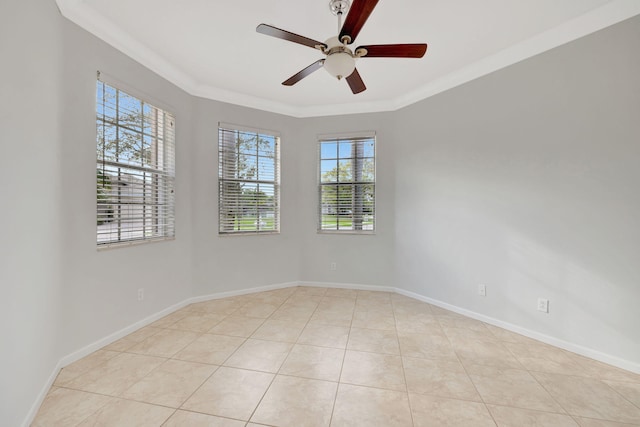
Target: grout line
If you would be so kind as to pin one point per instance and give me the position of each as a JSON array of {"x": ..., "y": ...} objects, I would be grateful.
[
  {"x": 344, "y": 355},
  {"x": 404, "y": 373}
]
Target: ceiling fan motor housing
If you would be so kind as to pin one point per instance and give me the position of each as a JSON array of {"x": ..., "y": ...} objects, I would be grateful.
[{"x": 340, "y": 61}]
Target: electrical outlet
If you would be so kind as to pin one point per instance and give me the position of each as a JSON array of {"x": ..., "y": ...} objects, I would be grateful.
[
  {"x": 543, "y": 305},
  {"x": 140, "y": 294},
  {"x": 482, "y": 290},
  {"x": 334, "y": 266}
]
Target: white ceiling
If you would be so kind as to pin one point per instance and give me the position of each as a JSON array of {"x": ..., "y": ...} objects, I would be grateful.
[{"x": 210, "y": 47}]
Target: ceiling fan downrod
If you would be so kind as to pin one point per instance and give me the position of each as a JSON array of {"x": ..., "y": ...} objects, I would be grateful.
[{"x": 339, "y": 8}]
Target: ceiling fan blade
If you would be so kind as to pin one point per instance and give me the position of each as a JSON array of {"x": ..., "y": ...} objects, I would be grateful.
[
  {"x": 303, "y": 73},
  {"x": 286, "y": 35},
  {"x": 416, "y": 50},
  {"x": 355, "y": 82},
  {"x": 357, "y": 16}
]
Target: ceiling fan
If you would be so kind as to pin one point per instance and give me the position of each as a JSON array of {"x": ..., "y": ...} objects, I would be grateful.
[{"x": 341, "y": 60}]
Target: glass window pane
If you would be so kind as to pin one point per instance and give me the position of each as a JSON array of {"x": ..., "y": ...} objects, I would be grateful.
[
  {"x": 328, "y": 150},
  {"x": 344, "y": 150},
  {"x": 328, "y": 171}
]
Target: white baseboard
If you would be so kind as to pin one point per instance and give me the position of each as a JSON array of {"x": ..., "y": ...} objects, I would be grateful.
[
  {"x": 566, "y": 345},
  {"x": 355, "y": 286},
  {"x": 96, "y": 345},
  {"x": 228, "y": 294}
]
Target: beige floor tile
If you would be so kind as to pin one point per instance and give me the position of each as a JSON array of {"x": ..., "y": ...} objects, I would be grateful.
[
  {"x": 293, "y": 314},
  {"x": 194, "y": 419},
  {"x": 117, "y": 374},
  {"x": 311, "y": 290},
  {"x": 220, "y": 306},
  {"x": 132, "y": 339},
  {"x": 341, "y": 293},
  {"x": 463, "y": 335},
  {"x": 198, "y": 322},
  {"x": 604, "y": 371},
  {"x": 324, "y": 335},
  {"x": 515, "y": 417},
  {"x": 279, "y": 330},
  {"x": 169, "y": 319},
  {"x": 75, "y": 369},
  {"x": 123, "y": 344},
  {"x": 373, "y": 340},
  {"x": 411, "y": 308},
  {"x": 259, "y": 355},
  {"x": 507, "y": 336},
  {"x": 170, "y": 384},
  {"x": 428, "y": 346},
  {"x": 329, "y": 303},
  {"x": 210, "y": 348},
  {"x": 589, "y": 397},
  {"x": 63, "y": 407},
  {"x": 332, "y": 318},
  {"x": 229, "y": 392},
  {"x": 374, "y": 319},
  {"x": 374, "y": 295},
  {"x": 511, "y": 387},
  {"x": 321, "y": 363},
  {"x": 165, "y": 343},
  {"x": 421, "y": 324},
  {"x": 485, "y": 353},
  {"x": 297, "y": 402},
  {"x": 439, "y": 411},
  {"x": 631, "y": 391},
  {"x": 257, "y": 309},
  {"x": 237, "y": 326},
  {"x": 127, "y": 413},
  {"x": 445, "y": 378},
  {"x": 371, "y": 407},
  {"x": 309, "y": 337},
  {"x": 459, "y": 321},
  {"x": 590, "y": 422},
  {"x": 373, "y": 370}
]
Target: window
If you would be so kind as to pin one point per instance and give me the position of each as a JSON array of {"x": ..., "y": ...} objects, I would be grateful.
[
  {"x": 135, "y": 169},
  {"x": 347, "y": 184},
  {"x": 248, "y": 181}
]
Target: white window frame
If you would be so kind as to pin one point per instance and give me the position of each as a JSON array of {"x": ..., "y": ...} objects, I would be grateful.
[
  {"x": 135, "y": 168},
  {"x": 264, "y": 180},
  {"x": 351, "y": 209}
]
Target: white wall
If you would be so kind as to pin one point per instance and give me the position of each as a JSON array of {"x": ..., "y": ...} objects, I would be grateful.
[
  {"x": 30, "y": 137},
  {"x": 526, "y": 180}
]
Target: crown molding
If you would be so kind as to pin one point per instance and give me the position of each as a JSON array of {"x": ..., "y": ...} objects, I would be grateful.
[{"x": 81, "y": 14}]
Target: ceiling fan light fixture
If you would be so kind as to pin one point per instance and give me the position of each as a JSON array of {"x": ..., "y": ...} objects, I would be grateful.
[{"x": 340, "y": 64}]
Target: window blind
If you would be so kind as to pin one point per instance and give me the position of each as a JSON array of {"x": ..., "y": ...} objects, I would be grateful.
[
  {"x": 346, "y": 190},
  {"x": 248, "y": 181},
  {"x": 135, "y": 170}
]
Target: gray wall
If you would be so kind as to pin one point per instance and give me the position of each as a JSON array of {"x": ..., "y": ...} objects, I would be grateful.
[
  {"x": 99, "y": 288},
  {"x": 30, "y": 187},
  {"x": 360, "y": 259},
  {"x": 526, "y": 180},
  {"x": 228, "y": 263}
]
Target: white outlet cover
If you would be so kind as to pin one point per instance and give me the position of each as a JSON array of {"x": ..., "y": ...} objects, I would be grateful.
[
  {"x": 482, "y": 290},
  {"x": 543, "y": 305}
]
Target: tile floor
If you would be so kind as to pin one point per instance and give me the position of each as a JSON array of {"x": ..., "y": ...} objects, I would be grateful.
[{"x": 317, "y": 357}]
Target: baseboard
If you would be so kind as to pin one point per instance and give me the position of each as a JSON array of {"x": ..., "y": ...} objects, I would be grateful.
[
  {"x": 96, "y": 345},
  {"x": 228, "y": 294},
  {"x": 356, "y": 286},
  {"x": 566, "y": 345}
]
